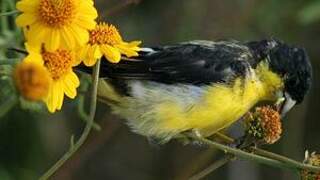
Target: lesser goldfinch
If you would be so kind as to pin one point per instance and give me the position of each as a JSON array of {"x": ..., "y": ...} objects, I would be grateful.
[{"x": 203, "y": 86}]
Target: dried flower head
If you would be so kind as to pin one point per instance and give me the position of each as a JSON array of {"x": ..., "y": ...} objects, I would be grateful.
[
  {"x": 264, "y": 124},
  {"x": 58, "y": 64},
  {"x": 311, "y": 159},
  {"x": 32, "y": 80}
]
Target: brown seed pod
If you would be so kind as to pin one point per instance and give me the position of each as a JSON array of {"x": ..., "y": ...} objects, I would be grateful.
[
  {"x": 311, "y": 159},
  {"x": 264, "y": 124}
]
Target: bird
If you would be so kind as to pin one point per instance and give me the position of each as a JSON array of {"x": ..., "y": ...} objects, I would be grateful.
[{"x": 202, "y": 87}]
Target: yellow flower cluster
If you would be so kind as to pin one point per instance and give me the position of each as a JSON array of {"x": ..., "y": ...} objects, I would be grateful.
[{"x": 60, "y": 34}]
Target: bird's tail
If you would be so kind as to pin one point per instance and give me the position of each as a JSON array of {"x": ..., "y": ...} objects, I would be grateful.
[
  {"x": 108, "y": 90},
  {"x": 107, "y": 93}
]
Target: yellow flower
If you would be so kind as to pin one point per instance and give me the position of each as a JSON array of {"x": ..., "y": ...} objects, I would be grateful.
[
  {"x": 57, "y": 23},
  {"x": 106, "y": 40},
  {"x": 59, "y": 63},
  {"x": 32, "y": 80}
]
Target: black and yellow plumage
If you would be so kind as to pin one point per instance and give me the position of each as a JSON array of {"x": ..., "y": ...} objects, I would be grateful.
[{"x": 202, "y": 86}]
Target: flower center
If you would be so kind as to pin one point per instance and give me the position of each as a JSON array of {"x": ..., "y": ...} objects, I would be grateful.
[
  {"x": 32, "y": 80},
  {"x": 56, "y": 13},
  {"x": 58, "y": 63},
  {"x": 105, "y": 34}
]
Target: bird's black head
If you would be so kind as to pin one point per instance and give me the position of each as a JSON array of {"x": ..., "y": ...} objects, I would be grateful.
[
  {"x": 294, "y": 66},
  {"x": 291, "y": 62}
]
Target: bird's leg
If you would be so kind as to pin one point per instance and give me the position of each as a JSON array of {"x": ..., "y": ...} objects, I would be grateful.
[
  {"x": 242, "y": 142},
  {"x": 187, "y": 137}
]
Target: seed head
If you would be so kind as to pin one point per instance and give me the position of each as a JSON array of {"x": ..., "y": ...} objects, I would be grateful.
[{"x": 264, "y": 124}]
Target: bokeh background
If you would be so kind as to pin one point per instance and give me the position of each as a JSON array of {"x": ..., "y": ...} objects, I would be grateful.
[{"x": 31, "y": 139}]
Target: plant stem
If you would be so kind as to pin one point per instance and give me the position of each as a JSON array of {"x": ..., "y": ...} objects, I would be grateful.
[
  {"x": 245, "y": 155},
  {"x": 9, "y": 13},
  {"x": 224, "y": 137},
  {"x": 86, "y": 130},
  {"x": 212, "y": 167},
  {"x": 268, "y": 158},
  {"x": 83, "y": 115},
  {"x": 284, "y": 159},
  {"x": 3, "y": 19},
  {"x": 271, "y": 155}
]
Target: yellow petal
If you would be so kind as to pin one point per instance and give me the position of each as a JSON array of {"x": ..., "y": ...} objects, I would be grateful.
[
  {"x": 127, "y": 50},
  {"x": 112, "y": 54},
  {"x": 87, "y": 18},
  {"x": 50, "y": 100},
  {"x": 93, "y": 54},
  {"x": 37, "y": 34},
  {"x": 60, "y": 94},
  {"x": 34, "y": 57},
  {"x": 83, "y": 52},
  {"x": 27, "y": 5},
  {"x": 53, "y": 40},
  {"x": 69, "y": 86},
  {"x": 25, "y": 19},
  {"x": 134, "y": 43},
  {"x": 32, "y": 48},
  {"x": 67, "y": 38},
  {"x": 81, "y": 35},
  {"x": 86, "y": 22},
  {"x": 74, "y": 78},
  {"x": 79, "y": 56}
]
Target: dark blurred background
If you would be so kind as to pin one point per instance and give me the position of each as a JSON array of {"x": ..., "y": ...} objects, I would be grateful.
[{"x": 30, "y": 142}]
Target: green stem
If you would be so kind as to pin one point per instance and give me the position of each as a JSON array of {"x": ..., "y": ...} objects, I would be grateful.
[
  {"x": 86, "y": 130},
  {"x": 271, "y": 155},
  {"x": 17, "y": 30},
  {"x": 212, "y": 167},
  {"x": 284, "y": 159},
  {"x": 9, "y": 13},
  {"x": 250, "y": 156},
  {"x": 3, "y": 19},
  {"x": 83, "y": 115}
]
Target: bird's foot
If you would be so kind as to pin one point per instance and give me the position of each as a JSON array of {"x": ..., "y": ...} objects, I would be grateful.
[{"x": 188, "y": 137}]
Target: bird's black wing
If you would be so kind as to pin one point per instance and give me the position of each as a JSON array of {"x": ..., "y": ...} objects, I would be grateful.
[{"x": 197, "y": 62}]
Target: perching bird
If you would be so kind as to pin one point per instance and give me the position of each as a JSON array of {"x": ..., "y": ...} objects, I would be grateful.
[{"x": 203, "y": 86}]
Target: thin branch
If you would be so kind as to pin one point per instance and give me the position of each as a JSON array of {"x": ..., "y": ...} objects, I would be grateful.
[
  {"x": 245, "y": 155},
  {"x": 284, "y": 159},
  {"x": 83, "y": 115},
  {"x": 86, "y": 130},
  {"x": 225, "y": 138},
  {"x": 270, "y": 158},
  {"x": 21, "y": 51},
  {"x": 214, "y": 166},
  {"x": 272, "y": 155},
  {"x": 258, "y": 158}
]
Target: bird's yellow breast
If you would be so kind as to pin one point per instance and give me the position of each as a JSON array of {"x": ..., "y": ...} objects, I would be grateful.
[
  {"x": 163, "y": 111},
  {"x": 222, "y": 104}
]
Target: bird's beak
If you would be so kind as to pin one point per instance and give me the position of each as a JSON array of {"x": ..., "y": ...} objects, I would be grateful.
[{"x": 287, "y": 104}]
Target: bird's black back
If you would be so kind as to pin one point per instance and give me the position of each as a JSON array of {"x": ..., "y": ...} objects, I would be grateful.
[{"x": 196, "y": 62}]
